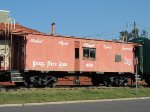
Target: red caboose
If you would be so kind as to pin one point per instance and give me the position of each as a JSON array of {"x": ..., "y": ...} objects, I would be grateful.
[
  {"x": 51, "y": 57},
  {"x": 39, "y": 59}
]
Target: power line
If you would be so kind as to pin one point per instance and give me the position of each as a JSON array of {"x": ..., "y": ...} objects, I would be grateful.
[
  {"x": 116, "y": 31},
  {"x": 111, "y": 32}
]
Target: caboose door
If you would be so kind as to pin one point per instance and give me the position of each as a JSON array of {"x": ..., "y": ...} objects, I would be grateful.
[
  {"x": 139, "y": 55},
  {"x": 77, "y": 56},
  {"x": 18, "y": 53}
]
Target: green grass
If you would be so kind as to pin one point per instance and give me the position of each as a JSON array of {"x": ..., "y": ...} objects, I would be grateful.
[{"x": 53, "y": 95}]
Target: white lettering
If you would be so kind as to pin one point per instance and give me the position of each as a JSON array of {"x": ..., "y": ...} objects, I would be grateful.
[
  {"x": 127, "y": 61},
  {"x": 36, "y": 63},
  {"x": 49, "y": 63},
  {"x": 126, "y": 49},
  {"x": 107, "y": 47},
  {"x": 89, "y": 45},
  {"x": 63, "y": 43},
  {"x": 37, "y": 41},
  {"x": 61, "y": 64},
  {"x": 90, "y": 65}
]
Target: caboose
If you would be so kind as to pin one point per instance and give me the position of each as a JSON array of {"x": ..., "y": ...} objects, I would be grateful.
[{"x": 38, "y": 59}]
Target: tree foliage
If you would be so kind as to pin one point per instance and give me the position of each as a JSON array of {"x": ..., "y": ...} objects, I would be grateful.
[
  {"x": 135, "y": 33},
  {"x": 144, "y": 34},
  {"x": 126, "y": 36}
]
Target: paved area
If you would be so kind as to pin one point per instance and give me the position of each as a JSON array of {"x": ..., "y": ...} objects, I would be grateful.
[{"x": 131, "y": 105}]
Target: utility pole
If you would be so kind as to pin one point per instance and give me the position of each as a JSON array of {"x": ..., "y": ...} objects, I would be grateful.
[
  {"x": 135, "y": 35},
  {"x": 136, "y": 74}
]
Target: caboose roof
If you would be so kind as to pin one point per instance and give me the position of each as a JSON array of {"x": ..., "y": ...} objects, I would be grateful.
[
  {"x": 84, "y": 38},
  {"x": 19, "y": 29},
  {"x": 22, "y": 30}
]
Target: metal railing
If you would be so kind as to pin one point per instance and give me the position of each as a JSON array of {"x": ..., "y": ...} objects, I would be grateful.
[{"x": 9, "y": 26}]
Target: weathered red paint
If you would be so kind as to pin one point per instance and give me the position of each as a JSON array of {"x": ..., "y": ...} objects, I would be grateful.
[
  {"x": 54, "y": 53},
  {"x": 48, "y": 53},
  {"x": 105, "y": 56}
]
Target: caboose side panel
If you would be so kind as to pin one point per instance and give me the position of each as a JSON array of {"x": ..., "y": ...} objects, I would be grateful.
[
  {"x": 64, "y": 53},
  {"x": 47, "y": 53},
  {"x": 104, "y": 56},
  {"x": 88, "y": 56},
  {"x": 116, "y": 57}
]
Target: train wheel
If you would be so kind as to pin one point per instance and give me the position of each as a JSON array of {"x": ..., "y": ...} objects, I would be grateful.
[
  {"x": 124, "y": 84},
  {"x": 52, "y": 84},
  {"x": 124, "y": 81},
  {"x": 107, "y": 83}
]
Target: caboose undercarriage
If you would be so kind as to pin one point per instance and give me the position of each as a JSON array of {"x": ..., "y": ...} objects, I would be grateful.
[
  {"x": 50, "y": 79},
  {"x": 111, "y": 79}
]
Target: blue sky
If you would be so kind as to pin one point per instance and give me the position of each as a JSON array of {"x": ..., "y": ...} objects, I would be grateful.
[{"x": 93, "y": 18}]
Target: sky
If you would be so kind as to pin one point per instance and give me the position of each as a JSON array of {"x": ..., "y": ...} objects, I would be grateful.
[{"x": 102, "y": 19}]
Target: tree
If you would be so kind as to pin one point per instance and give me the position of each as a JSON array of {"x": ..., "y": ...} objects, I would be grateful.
[
  {"x": 135, "y": 33},
  {"x": 125, "y": 35},
  {"x": 144, "y": 34}
]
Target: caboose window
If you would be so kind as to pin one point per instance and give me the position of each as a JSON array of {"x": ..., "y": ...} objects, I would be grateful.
[
  {"x": 77, "y": 53},
  {"x": 89, "y": 53},
  {"x": 118, "y": 58},
  {"x": 92, "y": 53},
  {"x": 85, "y": 52}
]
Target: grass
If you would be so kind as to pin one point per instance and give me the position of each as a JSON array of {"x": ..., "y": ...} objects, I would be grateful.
[{"x": 53, "y": 95}]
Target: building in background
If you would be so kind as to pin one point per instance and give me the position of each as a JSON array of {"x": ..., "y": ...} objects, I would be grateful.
[{"x": 4, "y": 15}]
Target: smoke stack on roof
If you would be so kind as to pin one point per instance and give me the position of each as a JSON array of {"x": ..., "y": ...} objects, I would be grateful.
[{"x": 53, "y": 28}]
